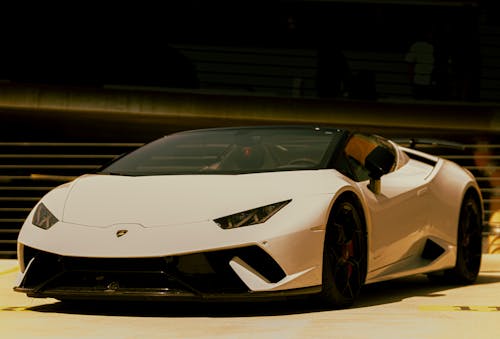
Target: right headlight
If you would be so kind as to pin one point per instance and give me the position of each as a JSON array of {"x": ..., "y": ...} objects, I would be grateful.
[
  {"x": 251, "y": 217},
  {"x": 43, "y": 218}
]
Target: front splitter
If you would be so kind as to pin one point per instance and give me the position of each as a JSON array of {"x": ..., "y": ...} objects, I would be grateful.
[{"x": 165, "y": 294}]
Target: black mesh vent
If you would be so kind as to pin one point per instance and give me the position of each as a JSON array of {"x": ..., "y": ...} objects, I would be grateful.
[{"x": 199, "y": 273}]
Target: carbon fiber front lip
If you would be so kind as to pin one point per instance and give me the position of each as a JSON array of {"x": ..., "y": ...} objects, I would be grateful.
[{"x": 163, "y": 294}]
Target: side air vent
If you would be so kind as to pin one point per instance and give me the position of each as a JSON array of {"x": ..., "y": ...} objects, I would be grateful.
[{"x": 432, "y": 250}]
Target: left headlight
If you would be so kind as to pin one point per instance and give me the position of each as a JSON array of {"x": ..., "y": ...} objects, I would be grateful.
[
  {"x": 251, "y": 217},
  {"x": 43, "y": 218}
]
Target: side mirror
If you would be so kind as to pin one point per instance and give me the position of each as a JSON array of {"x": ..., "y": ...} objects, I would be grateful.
[{"x": 378, "y": 163}]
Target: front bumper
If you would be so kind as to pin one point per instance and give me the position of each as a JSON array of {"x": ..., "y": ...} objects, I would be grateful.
[{"x": 197, "y": 277}]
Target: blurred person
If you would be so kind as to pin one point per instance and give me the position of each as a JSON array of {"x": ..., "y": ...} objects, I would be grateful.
[{"x": 420, "y": 59}]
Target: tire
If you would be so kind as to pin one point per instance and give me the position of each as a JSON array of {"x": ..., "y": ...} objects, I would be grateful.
[
  {"x": 469, "y": 243},
  {"x": 344, "y": 256}
]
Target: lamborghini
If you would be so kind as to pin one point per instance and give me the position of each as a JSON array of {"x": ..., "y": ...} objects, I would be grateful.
[{"x": 253, "y": 213}]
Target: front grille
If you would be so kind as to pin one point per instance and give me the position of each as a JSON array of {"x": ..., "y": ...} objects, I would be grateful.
[{"x": 194, "y": 274}]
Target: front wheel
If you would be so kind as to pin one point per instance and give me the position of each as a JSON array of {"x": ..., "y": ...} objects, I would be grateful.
[
  {"x": 344, "y": 256},
  {"x": 469, "y": 243}
]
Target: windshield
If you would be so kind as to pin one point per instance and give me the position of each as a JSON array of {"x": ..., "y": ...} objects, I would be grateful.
[{"x": 231, "y": 151}]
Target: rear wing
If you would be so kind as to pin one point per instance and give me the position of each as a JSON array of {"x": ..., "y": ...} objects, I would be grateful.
[{"x": 413, "y": 143}]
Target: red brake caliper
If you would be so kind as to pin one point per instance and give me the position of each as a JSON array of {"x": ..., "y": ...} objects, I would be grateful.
[{"x": 347, "y": 252}]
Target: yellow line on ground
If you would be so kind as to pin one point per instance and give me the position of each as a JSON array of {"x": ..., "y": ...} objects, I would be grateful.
[
  {"x": 13, "y": 308},
  {"x": 9, "y": 271},
  {"x": 460, "y": 308}
]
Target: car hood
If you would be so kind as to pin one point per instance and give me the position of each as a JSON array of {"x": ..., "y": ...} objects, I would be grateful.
[{"x": 158, "y": 201}]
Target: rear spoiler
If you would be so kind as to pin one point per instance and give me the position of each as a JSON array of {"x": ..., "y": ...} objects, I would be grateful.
[{"x": 414, "y": 142}]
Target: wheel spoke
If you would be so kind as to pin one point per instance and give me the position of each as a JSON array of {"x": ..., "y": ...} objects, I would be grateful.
[
  {"x": 348, "y": 279},
  {"x": 342, "y": 280},
  {"x": 339, "y": 233},
  {"x": 347, "y": 273},
  {"x": 349, "y": 290}
]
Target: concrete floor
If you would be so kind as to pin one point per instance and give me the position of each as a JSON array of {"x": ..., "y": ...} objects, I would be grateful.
[{"x": 405, "y": 308}]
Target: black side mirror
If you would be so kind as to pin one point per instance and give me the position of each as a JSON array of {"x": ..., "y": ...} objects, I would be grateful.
[{"x": 378, "y": 163}]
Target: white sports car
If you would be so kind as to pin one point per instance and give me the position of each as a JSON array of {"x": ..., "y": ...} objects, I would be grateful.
[{"x": 253, "y": 212}]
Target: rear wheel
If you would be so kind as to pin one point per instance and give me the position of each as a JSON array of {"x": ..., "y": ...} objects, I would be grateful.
[
  {"x": 469, "y": 243},
  {"x": 344, "y": 256}
]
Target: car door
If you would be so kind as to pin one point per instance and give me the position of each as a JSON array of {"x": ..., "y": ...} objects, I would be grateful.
[
  {"x": 398, "y": 213},
  {"x": 399, "y": 216}
]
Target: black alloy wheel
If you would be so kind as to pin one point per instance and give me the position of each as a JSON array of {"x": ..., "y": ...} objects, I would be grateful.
[
  {"x": 344, "y": 256},
  {"x": 469, "y": 243}
]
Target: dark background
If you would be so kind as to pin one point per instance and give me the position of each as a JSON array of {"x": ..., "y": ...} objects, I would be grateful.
[{"x": 88, "y": 44}]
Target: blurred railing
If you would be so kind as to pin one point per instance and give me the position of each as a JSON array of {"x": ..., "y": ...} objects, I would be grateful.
[{"x": 29, "y": 170}]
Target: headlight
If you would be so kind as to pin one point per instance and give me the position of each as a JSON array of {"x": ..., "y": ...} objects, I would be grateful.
[
  {"x": 43, "y": 218},
  {"x": 251, "y": 217}
]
